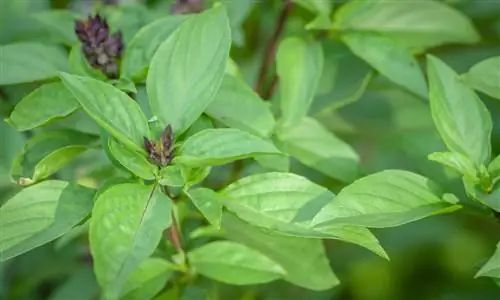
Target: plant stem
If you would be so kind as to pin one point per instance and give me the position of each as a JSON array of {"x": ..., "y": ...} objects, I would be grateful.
[
  {"x": 270, "y": 52},
  {"x": 172, "y": 233}
]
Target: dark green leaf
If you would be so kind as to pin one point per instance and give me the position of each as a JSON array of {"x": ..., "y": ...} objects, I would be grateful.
[{"x": 81, "y": 286}]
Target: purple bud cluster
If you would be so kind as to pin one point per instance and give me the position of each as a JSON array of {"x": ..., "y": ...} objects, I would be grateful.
[
  {"x": 161, "y": 153},
  {"x": 102, "y": 50},
  {"x": 187, "y": 7}
]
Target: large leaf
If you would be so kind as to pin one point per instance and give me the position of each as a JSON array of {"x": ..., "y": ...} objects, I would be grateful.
[
  {"x": 111, "y": 108},
  {"x": 30, "y": 61},
  {"x": 237, "y": 105},
  {"x": 485, "y": 76},
  {"x": 492, "y": 266},
  {"x": 188, "y": 68},
  {"x": 462, "y": 119},
  {"x": 212, "y": 147},
  {"x": 234, "y": 263},
  {"x": 143, "y": 46},
  {"x": 40, "y": 214},
  {"x": 313, "y": 145},
  {"x": 126, "y": 226},
  {"x": 419, "y": 24},
  {"x": 391, "y": 60},
  {"x": 386, "y": 199},
  {"x": 299, "y": 66},
  {"x": 287, "y": 203},
  {"x": 48, "y": 102},
  {"x": 304, "y": 260},
  {"x": 148, "y": 279},
  {"x": 135, "y": 162}
]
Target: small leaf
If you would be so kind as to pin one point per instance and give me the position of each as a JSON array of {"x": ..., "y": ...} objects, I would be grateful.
[
  {"x": 126, "y": 226},
  {"x": 209, "y": 203},
  {"x": 46, "y": 103},
  {"x": 494, "y": 168},
  {"x": 171, "y": 176},
  {"x": 51, "y": 163},
  {"x": 135, "y": 162},
  {"x": 492, "y": 266},
  {"x": 462, "y": 119},
  {"x": 30, "y": 61},
  {"x": 148, "y": 279},
  {"x": 316, "y": 147},
  {"x": 304, "y": 260},
  {"x": 187, "y": 69},
  {"x": 40, "y": 214},
  {"x": 193, "y": 176},
  {"x": 484, "y": 77},
  {"x": 323, "y": 10},
  {"x": 386, "y": 199},
  {"x": 124, "y": 84},
  {"x": 233, "y": 263},
  {"x": 421, "y": 24},
  {"x": 299, "y": 66},
  {"x": 237, "y": 105},
  {"x": 457, "y": 162},
  {"x": 111, "y": 108},
  {"x": 79, "y": 65},
  {"x": 143, "y": 46},
  {"x": 213, "y": 147},
  {"x": 391, "y": 60}
]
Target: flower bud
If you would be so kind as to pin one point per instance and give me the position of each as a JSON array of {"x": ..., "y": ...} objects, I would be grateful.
[{"x": 161, "y": 153}]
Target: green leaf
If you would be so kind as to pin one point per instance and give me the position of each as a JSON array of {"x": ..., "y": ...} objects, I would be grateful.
[
  {"x": 323, "y": 10},
  {"x": 111, "y": 108},
  {"x": 148, "y": 279},
  {"x": 343, "y": 81},
  {"x": 304, "y": 260},
  {"x": 209, "y": 203},
  {"x": 30, "y": 61},
  {"x": 59, "y": 24},
  {"x": 188, "y": 68},
  {"x": 484, "y": 77},
  {"x": 213, "y": 147},
  {"x": 73, "y": 234},
  {"x": 490, "y": 199},
  {"x": 126, "y": 226},
  {"x": 391, "y": 60},
  {"x": 143, "y": 46},
  {"x": 237, "y": 12},
  {"x": 48, "y": 102},
  {"x": 124, "y": 84},
  {"x": 494, "y": 168},
  {"x": 234, "y": 263},
  {"x": 78, "y": 64},
  {"x": 237, "y": 105},
  {"x": 419, "y": 24},
  {"x": 287, "y": 203},
  {"x": 299, "y": 66},
  {"x": 316, "y": 147},
  {"x": 40, "y": 214},
  {"x": 462, "y": 119},
  {"x": 51, "y": 163},
  {"x": 135, "y": 162},
  {"x": 457, "y": 162},
  {"x": 80, "y": 286},
  {"x": 492, "y": 266},
  {"x": 171, "y": 176},
  {"x": 193, "y": 176},
  {"x": 386, "y": 199}
]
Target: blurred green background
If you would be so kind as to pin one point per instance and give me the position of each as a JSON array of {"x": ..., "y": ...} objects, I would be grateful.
[{"x": 433, "y": 259}]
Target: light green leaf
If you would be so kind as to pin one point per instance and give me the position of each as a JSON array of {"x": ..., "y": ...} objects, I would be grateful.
[
  {"x": 457, "y": 162},
  {"x": 40, "y": 214},
  {"x": 171, "y": 176},
  {"x": 143, "y": 46},
  {"x": 213, "y": 147},
  {"x": 48, "y": 102},
  {"x": 237, "y": 12},
  {"x": 126, "y": 226},
  {"x": 54, "y": 161},
  {"x": 30, "y": 61},
  {"x": 111, "y": 108},
  {"x": 234, "y": 263},
  {"x": 494, "y": 168},
  {"x": 78, "y": 64},
  {"x": 391, "y": 60},
  {"x": 386, "y": 199},
  {"x": 299, "y": 66},
  {"x": 490, "y": 199},
  {"x": 237, "y": 105},
  {"x": 73, "y": 234},
  {"x": 485, "y": 77},
  {"x": 304, "y": 260},
  {"x": 462, "y": 119},
  {"x": 419, "y": 24},
  {"x": 148, "y": 279},
  {"x": 343, "y": 81},
  {"x": 59, "y": 24},
  {"x": 275, "y": 162},
  {"x": 135, "y": 162},
  {"x": 287, "y": 203},
  {"x": 193, "y": 176},
  {"x": 80, "y": 286},
  {"x": 187, "y": 69},
  {"x": 124, "y": 84},
  {"x": 322, "y": 8},
  {"x": 316, "y": 147},
  {"x": 492, "y": 266},
  {"x": 209, "y": 203}
]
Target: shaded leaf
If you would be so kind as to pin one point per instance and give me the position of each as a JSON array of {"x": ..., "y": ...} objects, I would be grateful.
[
  {"x": 209, "y": 203},
  {"x": 492, "y": 266},
  {"x": 485, "y": 76},
  {"x": 171, "y": 176},
  {"x": 148, "y": 279},
  {"x": 135, "y": 162}
]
